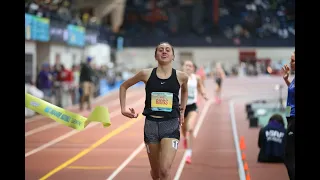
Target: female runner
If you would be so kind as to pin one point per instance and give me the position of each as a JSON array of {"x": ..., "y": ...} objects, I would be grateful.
[
  {"x": 194, "y": 85},
  {"x": 163, "y": 115},
  {"x": 218, "y": 75}
]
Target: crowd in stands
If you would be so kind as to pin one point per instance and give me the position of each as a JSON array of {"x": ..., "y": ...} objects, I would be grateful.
[
  {"x": 230, "y": 19},
  {"x": 236, "y": 18},
  {"x": 260, "y": 18},
  {"x": 61, "y": 10}
]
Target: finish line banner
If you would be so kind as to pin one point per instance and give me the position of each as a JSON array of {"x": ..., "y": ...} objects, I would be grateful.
[{"x": 67, "y": 118}]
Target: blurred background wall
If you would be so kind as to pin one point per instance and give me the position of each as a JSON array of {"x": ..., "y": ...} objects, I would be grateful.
[{"x": 121, "y": 35}]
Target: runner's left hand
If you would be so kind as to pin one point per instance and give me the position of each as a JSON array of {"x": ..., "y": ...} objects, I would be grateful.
[
  {"x": 130, "y": 114},
  {"x": 204, "y": 96}
]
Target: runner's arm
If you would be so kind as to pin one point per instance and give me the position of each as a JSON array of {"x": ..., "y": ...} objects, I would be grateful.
[
  {"x": 287, "y": 81},
  {"x": 212, "y": 74},
  {"x": 140, "y": 76},
  {"x": 201, "y": 87},
  {"x": 184, "y": 91},
  {"x": 223, "y": 74}
]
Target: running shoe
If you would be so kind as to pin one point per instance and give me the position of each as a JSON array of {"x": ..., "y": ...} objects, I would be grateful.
[
  {"x": 219, "y": 101},
  {"x": 188, "y": 159}
]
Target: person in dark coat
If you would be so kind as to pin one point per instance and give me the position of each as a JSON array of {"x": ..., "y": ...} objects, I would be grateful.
[{"x": 271, "y": 141}]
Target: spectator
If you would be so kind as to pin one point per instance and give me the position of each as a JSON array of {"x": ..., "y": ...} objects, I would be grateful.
[
  {"x": 86, "y": 84},
  {"x": 64, "y": 81},
  {"x": 271, "y": 141},
  {"x": 85, "y": 18},
  {"x": 44, "y": 81},
  {"x": 76, "y": 80},
  {"x": 64, "y": 12},
  {"x": 65, "y": 75}
]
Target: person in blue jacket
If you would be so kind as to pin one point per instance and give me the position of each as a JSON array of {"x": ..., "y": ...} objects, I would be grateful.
[
  {"x": 271, "y": 141},
  {"x": 290, "y": 114}
]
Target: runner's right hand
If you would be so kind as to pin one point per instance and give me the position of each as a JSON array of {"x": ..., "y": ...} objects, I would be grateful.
[
  {"x": 181, "y": 119},
  {"x": 130, "y": 114},
  {"x": 205, "y": 97},
  {"x": 286, "y": 71}
]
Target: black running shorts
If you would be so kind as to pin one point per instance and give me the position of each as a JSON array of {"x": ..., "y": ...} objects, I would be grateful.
[
  {"x": 219, "y": 81},
  {"x": 154, "y": 131},
  {"x": 189, "y": 108}
]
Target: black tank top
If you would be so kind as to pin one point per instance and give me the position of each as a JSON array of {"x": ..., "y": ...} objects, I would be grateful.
[{"x": 162, "y": 97}]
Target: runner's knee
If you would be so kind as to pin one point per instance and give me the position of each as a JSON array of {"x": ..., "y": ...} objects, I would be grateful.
[
  {"x": 164, "y": 172},
  {"x": 184, "y": 127},
  {"x": 190, "y": 130},
  {"x": 155, "y": 174}
]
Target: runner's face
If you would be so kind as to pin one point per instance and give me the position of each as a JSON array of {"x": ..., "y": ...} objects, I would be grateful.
[
  {"x": 293, "y": 61},
  {"x": 188, "y": 67},
  {"x": 164, "y": 53}
]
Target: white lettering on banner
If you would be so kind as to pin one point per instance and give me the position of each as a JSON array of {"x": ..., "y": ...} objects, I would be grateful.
[{"x": 275, "y": 136}]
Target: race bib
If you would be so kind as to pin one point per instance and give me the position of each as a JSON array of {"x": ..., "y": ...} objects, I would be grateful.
[
  {"x": 161, "y": 101},
  {"x": 288, "y": 111},
  {"x": 191, "y": 93}
]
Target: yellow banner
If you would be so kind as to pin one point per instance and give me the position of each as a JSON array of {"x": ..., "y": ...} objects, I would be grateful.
[{"x": 70, "y": 119}]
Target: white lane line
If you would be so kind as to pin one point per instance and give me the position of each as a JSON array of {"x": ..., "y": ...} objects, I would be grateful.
[
  {"x": 242, "y": 175},
  {"x": 140, "y": 147},
  {"x": 126, "y": 162},
  {"x": 195, "y": 133},
  {"x": 60, "y": 138},
  {"x": 42, "y": 128}
]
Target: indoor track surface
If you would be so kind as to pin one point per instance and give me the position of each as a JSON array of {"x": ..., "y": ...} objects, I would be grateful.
[{"x": 57, "y": 152}]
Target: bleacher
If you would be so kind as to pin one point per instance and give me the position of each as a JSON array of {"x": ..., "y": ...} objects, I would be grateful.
[{"x": 233, "y": 23}]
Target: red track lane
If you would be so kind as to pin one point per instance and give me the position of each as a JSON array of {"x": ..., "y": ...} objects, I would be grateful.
[
  {"x": 34, "y": 141},
  {"x": 255, "y": 88},
  {"x": 258, "y": 171},
  {"x": 139, "y": 167},
  {"x": 110, "y": 154},
  {"x": 214, "y": 154},
  {"x": 41, "y": 120},
  {"x": 46, "y": 160},
  {"x": 38, "y": 164},
  {"x": 35, "y": 124}
]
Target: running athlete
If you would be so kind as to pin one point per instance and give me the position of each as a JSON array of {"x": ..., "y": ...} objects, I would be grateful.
[
  {"x": 218, "y": 75},
  {"x": 201, "y": 73},
  {"x": 162, "y": 112},
  {"x": 289, "y": 159},
  {"x": 194, "y": 85}
]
